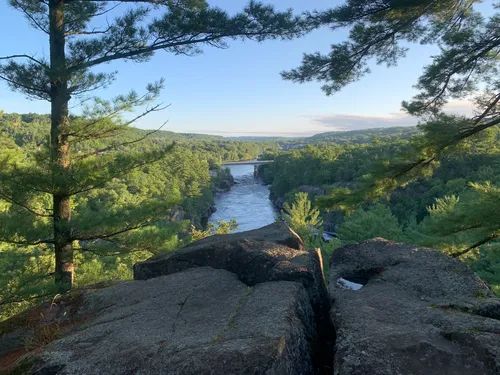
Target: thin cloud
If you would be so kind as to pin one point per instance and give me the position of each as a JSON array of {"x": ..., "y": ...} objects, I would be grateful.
[
  {"x": 356, "y": 122},
  {"x": 339, "y": 122}
]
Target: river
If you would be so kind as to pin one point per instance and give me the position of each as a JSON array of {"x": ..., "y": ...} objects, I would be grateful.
[{"x": 248, "y": 201}]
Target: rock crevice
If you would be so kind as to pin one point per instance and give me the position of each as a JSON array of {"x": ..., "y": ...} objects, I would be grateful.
[{"x": 256, "y": 303}]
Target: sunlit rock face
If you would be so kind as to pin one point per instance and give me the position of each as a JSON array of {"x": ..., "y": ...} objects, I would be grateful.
[
  {"x": 238, "y": 304},
  {"x": 200, "y": 321},
  {"x": 256, "y": 303},
  {"x": 272, "y": 253},
  {"x": 411, "y": 311}
]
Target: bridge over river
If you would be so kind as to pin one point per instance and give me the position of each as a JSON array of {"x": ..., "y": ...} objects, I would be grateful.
[
  {"x": 255, "y": 164},
  {"x": 247, "y": 162}
]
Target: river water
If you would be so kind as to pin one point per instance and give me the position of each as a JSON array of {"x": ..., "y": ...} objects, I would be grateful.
[{"x": 248, "y": 201}]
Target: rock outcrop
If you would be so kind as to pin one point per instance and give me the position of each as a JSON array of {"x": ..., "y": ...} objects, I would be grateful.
[
  {"x": 417, "y": 312},
  {"x": 272, "y": 253},
  {"x": 239, "y": 304},
  {"x": 256, "y": 303},
  {"x": 201, "y": 321}
]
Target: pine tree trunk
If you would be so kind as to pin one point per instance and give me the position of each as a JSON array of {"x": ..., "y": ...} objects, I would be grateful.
[{"x": 59, "y": 147}]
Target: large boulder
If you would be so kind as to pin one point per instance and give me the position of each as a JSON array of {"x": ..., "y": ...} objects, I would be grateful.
[
  {"x": 414, "y": 311},
  {"x": 200, "y": 321},
  {"x": 272, "y": 253},
  {"x": 255, "y": 256}
]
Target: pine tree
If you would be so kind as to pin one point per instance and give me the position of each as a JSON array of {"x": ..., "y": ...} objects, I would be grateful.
[
  {"x": 301, "y": 216},
  {"x": 45, "y": 189},
  {"x": 466, "y": 67},
  {"x": 468, "y": 63},
  {"x": 364, "y": 224}
]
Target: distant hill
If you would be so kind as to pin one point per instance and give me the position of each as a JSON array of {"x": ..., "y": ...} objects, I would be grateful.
[
  {"x": 33, "y": 127},
  {"x": 364, "y": 135},
  {"x": 172, "y": 136},
  {"x": 341, "y": 137},
  {"x": 262, "y": 139}
]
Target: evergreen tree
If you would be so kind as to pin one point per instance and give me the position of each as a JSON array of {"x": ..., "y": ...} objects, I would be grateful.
[
  {"x": 301, "y": 217},
  {"x": 466, "y": 67},
  {"x": 376, "y": 221},
  {"x": 182, "y": 178},
  {"x": 42, "y": 194}
]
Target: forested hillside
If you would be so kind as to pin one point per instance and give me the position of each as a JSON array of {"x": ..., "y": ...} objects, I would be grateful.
[
  {"x": 32, "y": 130},
  {"x": 365, "y": 135},
  {"x": 159, "y": 201},
  {"x": 440, "y": 187},
  {"x": 84, "y": 194},
  {"x": 452, "y": 208}
]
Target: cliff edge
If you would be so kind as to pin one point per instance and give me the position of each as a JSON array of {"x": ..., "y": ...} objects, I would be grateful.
[{"x": 257, "y": 303}]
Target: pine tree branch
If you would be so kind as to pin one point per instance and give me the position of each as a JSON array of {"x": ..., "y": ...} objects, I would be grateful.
[
  {"x": 490, "y": 107},
  {"x": 109, "y": 115},
  {"x": 98, "y": 14},
  {"x": 161, "y": 45},
  {"x": 156, "y": 108},
  {"x": 475, "y": 246},
  {"x": 108, "y": 254},
  {"x": 462, "y": 229},
  {"x": 15, "y": 83},
  {"x": 117, "y": 174},
  {"x": 30, "y": 17},
  {"x": 83, "y": 32},
  {"x": 26, "y": 57},
  {"x": 477, "y": 129},
  {"x": 154, "y": 2},
  {"x": 422, "y": 163},
  {"x": 19, "y": 299},
  {"x": 128, "y": 228},
  {"x": 79, "y": 90},
  {"x": 471, "y": 60},
  {"x": 22, "y": 205},
  {"x": 462, "y": 136},
  {"x": 26, "y": 243},
  {"x": 124, "y": 144}
]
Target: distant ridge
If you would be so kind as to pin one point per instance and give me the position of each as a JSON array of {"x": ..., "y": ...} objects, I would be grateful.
[
  {"x": 347, "y": 136},
  {"x": 37, "y": 126},
  {"x": 364, "y": 135}
]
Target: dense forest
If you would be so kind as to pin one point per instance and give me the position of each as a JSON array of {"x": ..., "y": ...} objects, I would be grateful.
[
  {"x": 179, "y": 189},
  {"x": 84, "y": 195},
  {"x": 424, "y": 211}
]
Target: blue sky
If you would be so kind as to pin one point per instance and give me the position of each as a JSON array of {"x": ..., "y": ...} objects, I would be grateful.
[{"x": 238, "y": 91}]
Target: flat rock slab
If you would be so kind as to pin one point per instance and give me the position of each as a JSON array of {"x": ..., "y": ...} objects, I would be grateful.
[
  {"x": 252, "y": 255},
  {"x": 272, "y": 253},
  {"x": 201, "y": 321},
  {"x": 417, "y": 312}
]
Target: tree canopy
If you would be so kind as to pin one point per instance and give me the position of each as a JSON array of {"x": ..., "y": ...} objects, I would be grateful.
[
  {"x": 382, "y": 31},
  {"x": 183, "y": 184},
  {"x": 466, "y": 67},
  {"x": 84, "y": 34}
]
